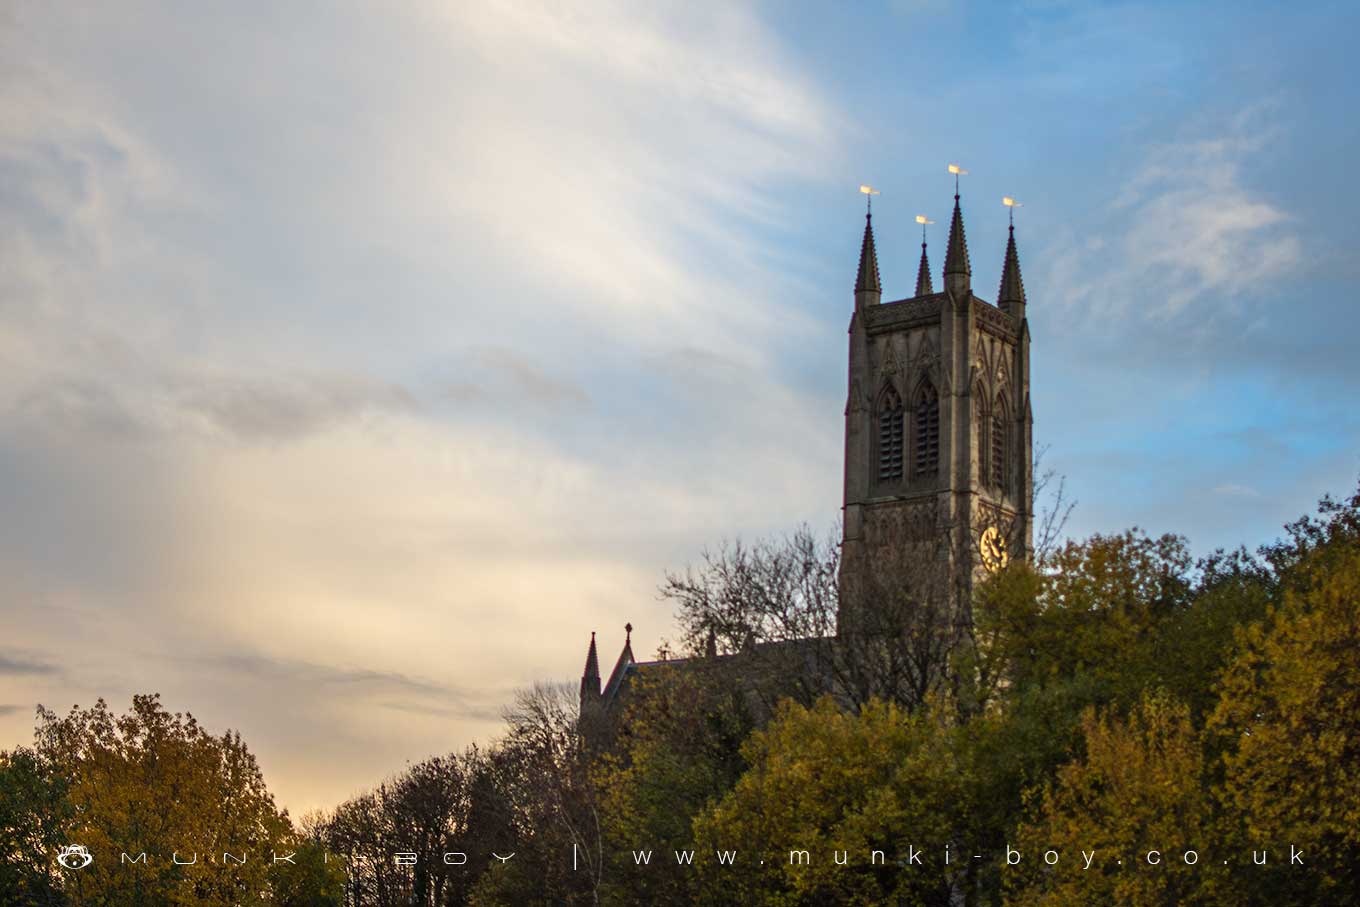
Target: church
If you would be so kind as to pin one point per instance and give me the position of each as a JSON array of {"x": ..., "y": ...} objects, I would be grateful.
[{"x": 938, "y": 480}]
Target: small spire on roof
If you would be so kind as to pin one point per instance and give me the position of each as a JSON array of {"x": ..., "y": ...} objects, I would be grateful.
[
  {"x": 1012, "y": 290},
  {"x": 590, "y": 678},
  {"x": 867, "y": 279},
  {"x": 956, "y": 255},
  {"x": 923, "y": 283},
  {"x": 592, "y": 659},
  {"x": 958, "y": 273}
]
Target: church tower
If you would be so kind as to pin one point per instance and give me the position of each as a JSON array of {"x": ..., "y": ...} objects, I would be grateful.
[{"x": 938, "y": 436}]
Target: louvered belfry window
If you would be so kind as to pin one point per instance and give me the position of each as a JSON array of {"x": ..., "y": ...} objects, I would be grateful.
[
  {"x": 927, "y": 431},
  {"x": 1000, "y": 424},
  {"x": 890, "y": 435}
]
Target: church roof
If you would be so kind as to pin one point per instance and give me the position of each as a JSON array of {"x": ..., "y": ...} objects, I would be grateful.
[
  {"x": 1012, "y": 284},
  {"x": 956, "y": 256},
  {"x": 868, "y": 260},
  {"x": 621, "y": 666}
]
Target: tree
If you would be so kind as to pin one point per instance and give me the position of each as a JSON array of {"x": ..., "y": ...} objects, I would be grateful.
[
  {"x": 1095, "y": 619},
  {"x": 677, "y": 751},
  {"x": 1136, "y": 806},
  {"x": 800, "y": 631},
  {"x": 149, "y": 781},
  {"x": 34, "y": 814},
  {"x": 312, "y": 879},
  {"x": 553, "y": 804},
  {"x": 1288, "y": 724},
  {"x": 842, "y": 786}
]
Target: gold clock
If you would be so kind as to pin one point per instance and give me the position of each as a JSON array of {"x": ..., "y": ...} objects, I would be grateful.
[{"x": 993, "y": 547}]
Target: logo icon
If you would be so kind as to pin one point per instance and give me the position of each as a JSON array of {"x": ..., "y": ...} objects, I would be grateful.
[{"x": 75, "y": 856}]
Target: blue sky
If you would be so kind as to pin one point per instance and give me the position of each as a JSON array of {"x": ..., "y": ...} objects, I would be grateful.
[{"x": 357, "y": 364}]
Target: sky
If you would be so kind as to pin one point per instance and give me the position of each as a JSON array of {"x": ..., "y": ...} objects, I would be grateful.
[{"x": 358, "y": 360}]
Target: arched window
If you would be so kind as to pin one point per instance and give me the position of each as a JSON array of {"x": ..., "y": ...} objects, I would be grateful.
[
  {"x": 1000, "y": 441},
  {"x": 927, "y": 430},
  {"x": 889, "y": 434}
]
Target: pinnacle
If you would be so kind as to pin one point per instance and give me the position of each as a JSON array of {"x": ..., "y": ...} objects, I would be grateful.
[
  {"x": 923, "y": 284},
  {"x": 956, "y": 256},
  {"x": 868, "y": 261},
  {"x": 1012, "y": 289},
  {"x": 592, "y": 660}
]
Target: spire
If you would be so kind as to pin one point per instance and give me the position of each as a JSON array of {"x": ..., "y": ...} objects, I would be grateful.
[
  {"x": 1012, "y": 290},
  {"x": 868, "y": 261},
  {"x": 923, "y": 284},
  {"x": 590, "y": 678},
  {"x": 592, "y": 659},
  {"x": 956, "y": 256}
]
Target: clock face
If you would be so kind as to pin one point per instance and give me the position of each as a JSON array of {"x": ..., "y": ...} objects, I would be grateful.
[{"x": 993, "y": 547}]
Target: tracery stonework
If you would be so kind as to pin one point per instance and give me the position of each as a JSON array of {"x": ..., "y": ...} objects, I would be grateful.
[{"x": 903, "y": 523}]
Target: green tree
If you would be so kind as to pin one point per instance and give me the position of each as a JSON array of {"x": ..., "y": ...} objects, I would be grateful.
[
  {"x": 34, "y": 813},
  {"x": 678, "y": 751},
  {"x": 842, "y": 786},
  {"x": 312, "y": 879}
]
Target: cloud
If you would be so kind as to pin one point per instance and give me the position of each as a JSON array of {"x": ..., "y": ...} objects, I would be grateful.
[
  {"x": 11, "y": 709},
  {"x": 1184, "y": 230},
  {"x": 357, "y": 686},
  {"x": 286, "y": 409},
  {"x": 19, "y": 665},
  {"x": 332, "y": 351},
  {"x": 519, "y": 380},
  {"x": 215, "y": 408}
]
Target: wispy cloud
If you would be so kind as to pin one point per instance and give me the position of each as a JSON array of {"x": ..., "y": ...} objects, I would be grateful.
[
  {"x": 1186, "y": 227},
  {"x": 521, "y": 380},
  {"x": 20, "y": 665},
  {"x": 1196, "y": 229}
]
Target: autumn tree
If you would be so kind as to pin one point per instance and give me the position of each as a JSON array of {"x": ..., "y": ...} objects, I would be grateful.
[
  {"x": 1129, "y": 822},
  {"x": 1288, "y": 726},
  {"x": 155, "y": 782}
]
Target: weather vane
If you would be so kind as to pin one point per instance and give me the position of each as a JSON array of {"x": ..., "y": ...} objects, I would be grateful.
[
  {"x": 1011, "y": 204},
  {"x": 957, "y": 171},
  {"x": 923, "y": 221},
  {"x": 869, "y": 192}
]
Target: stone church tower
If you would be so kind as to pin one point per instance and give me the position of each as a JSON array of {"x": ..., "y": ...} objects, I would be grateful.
[
  {"x": 938, "y": 470},
  {"x": 938, "y": 434}
]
